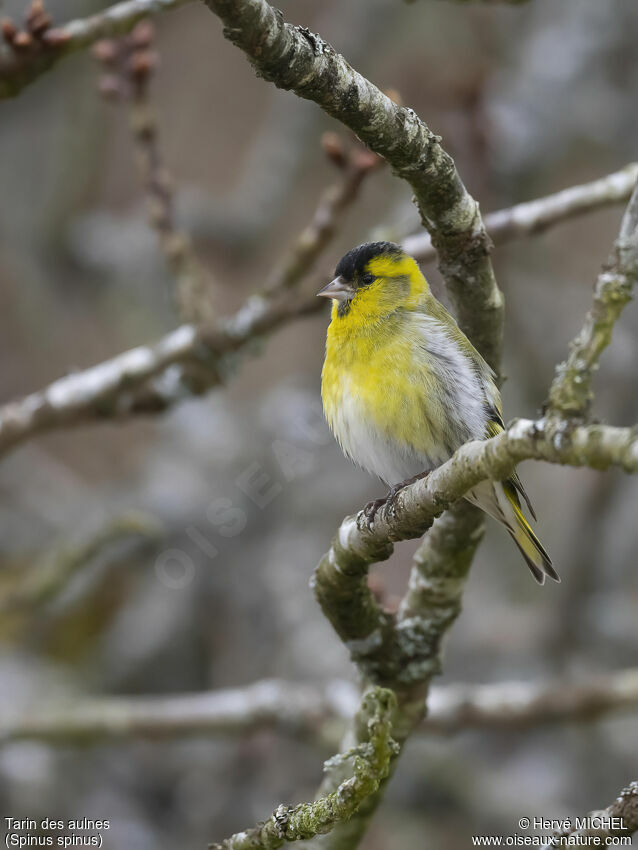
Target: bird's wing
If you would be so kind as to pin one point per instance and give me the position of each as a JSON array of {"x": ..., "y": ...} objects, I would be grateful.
[
  {"x": 496, "y": 426},
  {"x": 491, "y": 393}
]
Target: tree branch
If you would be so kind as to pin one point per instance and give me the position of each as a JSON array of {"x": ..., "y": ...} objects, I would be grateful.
[
  {"x": 536, "y": 216},
  {"x": 151, "y": 378},
  {"x": 190, "y": 360},
  {"x": 295, "y": 59},
  {"x": 340, "y": 578},
  {"x": 620, "y": 819},
  {"x": 128, "y": 64},
  {"x": 317, "y": 711},
  {"x": 294, "y": 709},
  {"x": 571, "y": 392},
  {"x": 355, "y": 165},
  {"x": 19, "y": 68},
  {"x": 29, "y": 589},
  {"x": 526, "y": 705},
  {"x": 371, "y": 761}
]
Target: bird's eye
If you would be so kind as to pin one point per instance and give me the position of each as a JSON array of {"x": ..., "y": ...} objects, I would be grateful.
[{"x": 367, "y": 279}]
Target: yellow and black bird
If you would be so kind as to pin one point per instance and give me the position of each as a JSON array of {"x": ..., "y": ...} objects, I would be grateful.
[{"x": 403, "y": 387}]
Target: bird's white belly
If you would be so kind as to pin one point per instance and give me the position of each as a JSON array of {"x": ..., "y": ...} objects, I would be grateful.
[{"x": 373, "y": 449}]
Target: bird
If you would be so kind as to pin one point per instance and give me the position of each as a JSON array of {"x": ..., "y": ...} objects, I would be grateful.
[{"x": 403, "y": 387}]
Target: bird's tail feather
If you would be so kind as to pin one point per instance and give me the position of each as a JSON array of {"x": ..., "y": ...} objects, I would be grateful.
[{"x": 501, "y": 502}]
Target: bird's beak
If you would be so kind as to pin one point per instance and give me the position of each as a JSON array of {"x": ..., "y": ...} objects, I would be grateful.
[{"x": 339, "y": 289}]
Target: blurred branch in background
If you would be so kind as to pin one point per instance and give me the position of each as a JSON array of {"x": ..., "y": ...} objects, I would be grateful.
[
  {"x": 620, "y": 819},
  {"x": 191, "y": 360},
  {"x": 31, "y": 52},
  {"x": 34, "y": 587},
  {"x": 319, "y": 712},
  {"x": 128, "y": 65},
  {"x": 536, "y": 216},
  {"x": 354, "y": 164},
  {"x": 147, "y": 379},
  {"x": 291, "y": 708}
]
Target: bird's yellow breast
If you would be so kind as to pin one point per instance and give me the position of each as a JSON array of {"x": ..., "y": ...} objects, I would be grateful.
[{"x": 378, "y": 383}]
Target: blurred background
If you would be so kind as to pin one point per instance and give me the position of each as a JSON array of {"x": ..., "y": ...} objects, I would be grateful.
[{"x": 529, "y": 99}]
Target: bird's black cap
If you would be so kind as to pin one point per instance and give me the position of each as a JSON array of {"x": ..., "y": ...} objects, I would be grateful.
[{"x": 355, "y": 261}]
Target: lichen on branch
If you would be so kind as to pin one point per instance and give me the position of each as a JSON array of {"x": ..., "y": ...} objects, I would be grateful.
[{"x": 370, "y": 765}]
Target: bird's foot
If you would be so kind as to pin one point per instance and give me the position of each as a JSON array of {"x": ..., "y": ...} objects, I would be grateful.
[
  {"x": 414, "y": 478},
  {"x": 371, "y": 509}
]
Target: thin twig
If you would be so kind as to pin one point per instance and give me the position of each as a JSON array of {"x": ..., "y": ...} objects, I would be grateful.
[
  {"x": 128, "y": 65},
  {"x": 51, "y": 574},
  {"x": 19, "y": 68},
  {"x": 355, "y": 165}
]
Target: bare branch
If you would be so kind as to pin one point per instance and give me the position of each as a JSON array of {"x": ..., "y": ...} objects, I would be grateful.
[
  {"x": 620, "y": 819},
  {"x": 371, "y": 762},
  {"x": 298, "y": 60},
  {"x": 291, "y": 708},
  {"x": 190, "y": 360},
  {"x": 435, "y": 590},
  {"x": 20, "y": 68},
  {"x": 147, "y": 379},
  {"x": 317, "y": 712},
  {"x": 536, "y": 216},
  {"x": 128, "y": 64},
  {"x": 355, "y": 166},
  {"x": 525, "y": 705},
  {"x": 52, "y": 572},
  {"x": 571, "y": 392}
]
